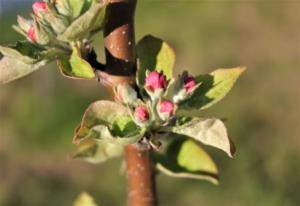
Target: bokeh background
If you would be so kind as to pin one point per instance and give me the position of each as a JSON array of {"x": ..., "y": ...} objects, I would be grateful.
[{"x": 39, "y": 112}]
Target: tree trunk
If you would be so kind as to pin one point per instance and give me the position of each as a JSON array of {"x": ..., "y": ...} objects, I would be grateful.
[{"x": 120, "y": 54}]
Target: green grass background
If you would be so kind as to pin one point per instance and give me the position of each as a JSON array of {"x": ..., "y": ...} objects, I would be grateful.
[{"x": 38, "y": 113}]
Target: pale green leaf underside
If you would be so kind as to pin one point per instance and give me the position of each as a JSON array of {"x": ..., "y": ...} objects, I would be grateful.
[
  {"x": 12, "y": 69},
  {"x": 154, "y": 54},
  {"x": 91, "y": 20},
  {"x": 84, "y": 199},
  {"x": 186, "y": 159},
  {"x": 210, "y": 132},
  {"x": 96, "y": 152},
  {"x": 213, "y": 88}
]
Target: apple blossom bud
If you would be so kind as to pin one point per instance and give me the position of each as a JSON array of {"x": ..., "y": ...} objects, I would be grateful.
[
  {"x": 31, "y": 34},
  {"x": 189, "y": 83},
  {"x": 166, "y": 109},
  {"x": 39, "y": 8},
  {"x": 141, "y": 115},
  {"x": 39, "y": 33},
  {"x": 156, "y": 84},
  {"x": 184, "y": 87},
  {"x": 126, "y": 94}
]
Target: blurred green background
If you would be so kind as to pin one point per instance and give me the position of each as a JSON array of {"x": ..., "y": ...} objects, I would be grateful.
[{"x": 39, "y": 112}]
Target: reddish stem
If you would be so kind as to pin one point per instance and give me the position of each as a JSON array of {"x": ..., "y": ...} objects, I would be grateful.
[{"x": 120, "y": 53}]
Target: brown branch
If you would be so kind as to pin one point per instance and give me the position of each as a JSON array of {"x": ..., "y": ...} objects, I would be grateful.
[{"x": 120, "y": 54}]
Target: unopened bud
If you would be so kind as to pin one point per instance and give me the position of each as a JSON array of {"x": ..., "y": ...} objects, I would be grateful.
[
  {"x": 39, "y": 8},
  {"x": 41, "y": 36},
  {"x": 31, "y": 34},
  {"x": 166, "y": 109},
  {"x": 184, "y": 87},
  {"x": 141, "y": 115},
  {"x": 156, "y": 84}
]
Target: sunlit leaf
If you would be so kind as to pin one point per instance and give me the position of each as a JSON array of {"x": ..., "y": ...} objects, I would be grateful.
[
  {"x": 95, "y": 152},
  {"x": 211, "y": 132},
  {"x": 79, "y": 67},
  {"x": 213, "y": 88},
  {"x": 84, "y": 199},
  {"x": 11, "y": 69},
  {"x": 77, "y": 7},
  {"x": 186, "y": 159},
  {"x": 154, "y": 53},
  {"x": 89, "y": 21}
]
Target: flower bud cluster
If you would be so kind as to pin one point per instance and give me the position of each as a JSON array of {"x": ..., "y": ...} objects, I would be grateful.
[
  {"x": 156, "y": 110},
  {"x": 50, "y": 18}
]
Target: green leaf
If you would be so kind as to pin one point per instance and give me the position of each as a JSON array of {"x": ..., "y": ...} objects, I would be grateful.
[
  {"x": 11, "y": 69},
  {"x": 84, "y": 199},
  {"x": 186, "y": 159},
  {"x": 213, "y": 88},
  {"x": 77, "y": 6},
  {"x": 110, "y": 122},
  {"x": 91, "y": 20},
  {"x": 211, "y": 132},
  {"x": 79, "y": 67},
  {"x": 95, "y": 152},
  {"x": 23, "y": 51},
  {"x": 154, "y": 54}
]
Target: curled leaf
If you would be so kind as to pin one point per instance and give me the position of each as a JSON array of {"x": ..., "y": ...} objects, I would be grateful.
[
  {"x": 95, "y": 152},
  {"x": 76, "y": 66}
]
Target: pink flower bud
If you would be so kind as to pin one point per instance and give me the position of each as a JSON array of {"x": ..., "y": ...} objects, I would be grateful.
[
  {"x": 31, "y": 34},
  {"x": 166, "y": 109},
  {"x": 141, "y": 114},
  {"x": 155, "y": 81},
  {"x": 39, "y": 7},
  {"x": 189, "y": 83}
]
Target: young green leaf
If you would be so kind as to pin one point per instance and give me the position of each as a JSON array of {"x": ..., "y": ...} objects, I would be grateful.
[
  {"x": 211, "y": 132},
  {"x": 76, "y": 7},
  {"x": 95, "y": 152},
  {"x": 91, "y": 20},
  {"x": 84, "y": 199},
  {"x": 107, "y": 121},
  {"x": 186, "y": 159},
  {"x": 213, "y": 88},
  {"x": 11, "y": 69},
  {"x": 80, "y": 67},
  {"x": 154, "y": 53}
]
